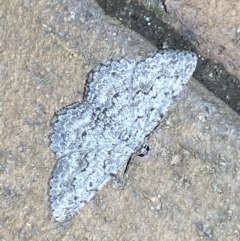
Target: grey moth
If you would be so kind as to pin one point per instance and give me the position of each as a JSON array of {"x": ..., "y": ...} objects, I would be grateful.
[{"x": 124, "y": 100}]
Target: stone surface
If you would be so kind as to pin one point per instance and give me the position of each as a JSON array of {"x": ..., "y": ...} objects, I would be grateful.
[
  {"x": 186, "y": 188},
  {"x": 212, "y": 26}
]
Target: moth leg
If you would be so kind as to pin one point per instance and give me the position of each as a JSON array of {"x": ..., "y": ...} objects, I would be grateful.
[
  {"x": 142, "y": 151},
  {"x": 126, "y": 166}
]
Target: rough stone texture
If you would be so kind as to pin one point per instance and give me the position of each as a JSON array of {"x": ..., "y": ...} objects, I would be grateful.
[
  {"x": 186, "y": 188},
  {"x": 212, "y": 26}
]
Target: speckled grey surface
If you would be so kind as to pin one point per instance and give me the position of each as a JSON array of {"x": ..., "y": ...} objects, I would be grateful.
[{"x": 124, "y": 101}]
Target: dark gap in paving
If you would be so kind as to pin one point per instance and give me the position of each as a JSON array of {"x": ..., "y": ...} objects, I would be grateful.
[{"x": 145, "y": 22}]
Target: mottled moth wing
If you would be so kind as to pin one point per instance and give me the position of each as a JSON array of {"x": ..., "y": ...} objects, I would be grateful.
[
  {"x": 157, "y": 79},
  {"x": 91, "y": 148},
  {"x": 91, "y": 142},
  {"x": 72, "y": 129},
  {"x": 109, "y": 89}
]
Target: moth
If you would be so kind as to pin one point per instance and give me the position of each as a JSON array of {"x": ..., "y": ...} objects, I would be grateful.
[{"x": 124, "y": 100}]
